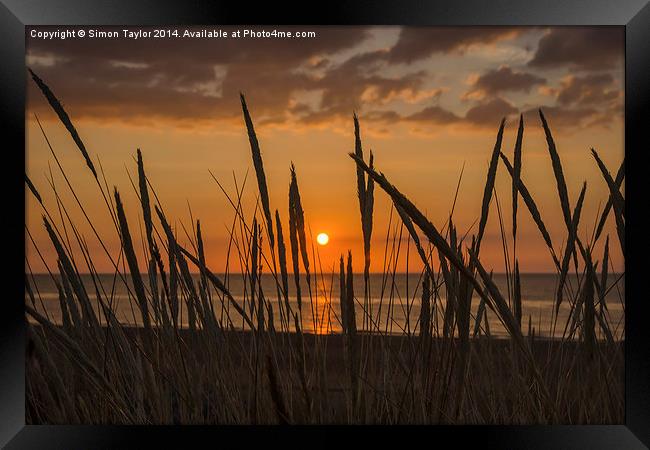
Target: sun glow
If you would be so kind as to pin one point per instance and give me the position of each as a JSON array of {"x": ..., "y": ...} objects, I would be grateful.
[{"x": 322, "y": 238}]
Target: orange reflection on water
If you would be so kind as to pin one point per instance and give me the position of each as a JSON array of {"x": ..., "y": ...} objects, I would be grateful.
[{"x": 321, "y": 316}]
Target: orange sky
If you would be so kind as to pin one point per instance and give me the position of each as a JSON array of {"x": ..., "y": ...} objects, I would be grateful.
[{"x": 429, "y": 101}]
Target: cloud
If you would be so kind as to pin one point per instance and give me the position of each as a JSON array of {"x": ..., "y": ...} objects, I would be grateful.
[
  {"x": 382, "y": 116},
  {"x": 490, "y": 112},
  {"x": 178, "y": 79},
  {"x": 594, "y": 89},
  {"x": 559, "y": 117},
  {"x": 503, "y": 79},
  {"x": 584, "y": 48},
  {"x": 191, "y": 82},
  {"x": 485, "y": 114},
  {"x": 418, "y": 43},
  {"x": 303, "y": 82},
  {"x": 585, "y": 101},
  {"x": 434, "y": 115},
  {"x": 359, "y": 81}
]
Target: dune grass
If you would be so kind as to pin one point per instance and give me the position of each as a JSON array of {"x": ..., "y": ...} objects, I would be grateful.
[{"x": 200, "y": 356}]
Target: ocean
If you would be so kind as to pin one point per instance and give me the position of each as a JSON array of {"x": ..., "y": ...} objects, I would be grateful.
[{"x": 394, "y": 306}]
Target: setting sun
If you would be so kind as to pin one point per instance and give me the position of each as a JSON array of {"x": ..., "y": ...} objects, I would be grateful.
[{"x": 322, "y": 238}]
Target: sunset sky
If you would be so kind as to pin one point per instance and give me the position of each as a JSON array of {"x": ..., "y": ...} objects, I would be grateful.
[{"x": 429, "y": 101}]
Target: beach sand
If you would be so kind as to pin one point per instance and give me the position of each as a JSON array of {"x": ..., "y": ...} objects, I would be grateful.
[{"x": 327, "y": 376}]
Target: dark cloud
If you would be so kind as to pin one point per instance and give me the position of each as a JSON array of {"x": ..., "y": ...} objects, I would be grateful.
[
  {"x": 309, "y": 81},
  {"x": 182, "y": 79},
  {"x": 201, "y": 79},
  {"x": 490, "y": 112},
  {"x": 505, "y": 79},
  {"x": 483, "y": 115},
  {"x": 210, "y": 51},
  {"x": 359, "y": 80},
  {"x": 382, "y": 116},
  {"x": 580, "y": 47},
  {"x": 435, "y": 115},
  {"x": 418, "y": 43},
  {"x": 586, "y": 101},
  {"x": 594, "y": 89},
  {"x": 559, "y": 117}
]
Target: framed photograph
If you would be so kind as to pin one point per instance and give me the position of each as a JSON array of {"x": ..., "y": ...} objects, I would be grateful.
[{"x": 250, "y": 223}]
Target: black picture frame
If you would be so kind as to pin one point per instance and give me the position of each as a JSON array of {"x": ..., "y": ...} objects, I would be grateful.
[{"x": 634, "y": 15}]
